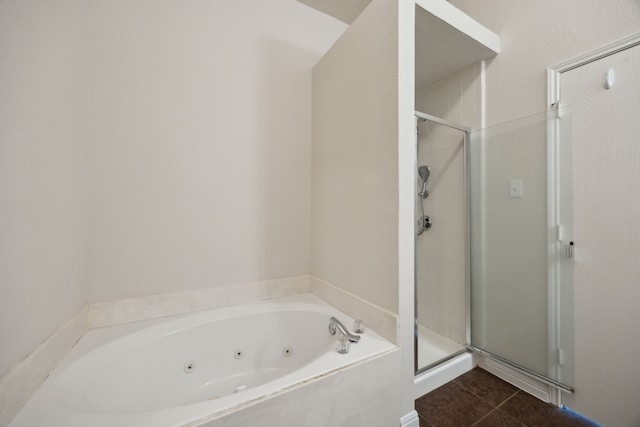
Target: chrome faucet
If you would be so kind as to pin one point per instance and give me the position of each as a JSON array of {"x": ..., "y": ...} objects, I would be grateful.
[{"x": 336, "y": 324}]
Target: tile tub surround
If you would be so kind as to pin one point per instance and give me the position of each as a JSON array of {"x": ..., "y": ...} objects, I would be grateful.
[
  {"x": 25, "y": 378},
  {"x": 481, "y": 399}
]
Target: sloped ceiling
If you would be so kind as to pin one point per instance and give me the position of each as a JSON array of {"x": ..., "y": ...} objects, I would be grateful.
[{"x": 344, "y": 10}]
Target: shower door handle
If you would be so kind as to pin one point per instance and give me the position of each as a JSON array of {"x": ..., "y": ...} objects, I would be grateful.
[{"x": 569, "y": 250}]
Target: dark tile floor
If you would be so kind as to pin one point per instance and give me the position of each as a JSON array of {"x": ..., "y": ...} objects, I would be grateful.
[{"x": 481, "y": 399}]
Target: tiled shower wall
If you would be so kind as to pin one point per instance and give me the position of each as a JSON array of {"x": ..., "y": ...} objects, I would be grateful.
[{"x": 440, "y": 262}]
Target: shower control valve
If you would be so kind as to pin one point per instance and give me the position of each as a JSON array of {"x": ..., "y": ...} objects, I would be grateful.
[{"x": 424, "y": 224}]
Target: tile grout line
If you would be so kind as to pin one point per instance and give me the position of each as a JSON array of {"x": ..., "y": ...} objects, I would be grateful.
[
  {"x": 485, "y": 416},
  {"x": 494, "y": 407},
  {"x": 514, "y": 417},
  {"x": 508, "y": 398},
  {"x": 508, "y": 413},
  {"x": 486, "y": 401},
  {"x": 420, "y": 417}
]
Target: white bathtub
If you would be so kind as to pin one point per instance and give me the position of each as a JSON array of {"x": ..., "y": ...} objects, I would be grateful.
[{"x": 196, "y": 367}]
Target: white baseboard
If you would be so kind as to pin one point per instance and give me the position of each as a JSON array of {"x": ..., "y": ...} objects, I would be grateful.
[
  {"x": 410, "y": 420},
  {"x": 532, "y": 386}
]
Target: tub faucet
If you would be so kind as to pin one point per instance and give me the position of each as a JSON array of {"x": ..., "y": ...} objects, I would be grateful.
[{"x": 336, "y": 324}]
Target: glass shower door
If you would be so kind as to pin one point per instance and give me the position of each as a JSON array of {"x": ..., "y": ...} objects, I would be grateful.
[{"x": 521, "y": 293}]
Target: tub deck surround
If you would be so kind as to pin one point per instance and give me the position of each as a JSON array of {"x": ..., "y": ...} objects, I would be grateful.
[
  {"x": 200, "y": 366},
  {"x": 365, "y": 395},
  {"x": 156, "y": 306},
  {"x": 129, "y": 315},
  {"x": 17, "y": 386},
  {"x": 382, "y": 321},
  {"x": 134, "y": 309}
]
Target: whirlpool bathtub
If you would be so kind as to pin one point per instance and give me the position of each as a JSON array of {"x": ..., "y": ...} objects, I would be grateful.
[{"x": 194, "y": 368}]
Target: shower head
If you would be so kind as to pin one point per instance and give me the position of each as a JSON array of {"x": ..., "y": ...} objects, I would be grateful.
[{"x": 425, "y": 173}]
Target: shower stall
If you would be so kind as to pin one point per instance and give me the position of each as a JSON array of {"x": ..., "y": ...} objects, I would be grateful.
[
  {"x": 493, "y": 243},
  {"x": 493, "y": 247}
]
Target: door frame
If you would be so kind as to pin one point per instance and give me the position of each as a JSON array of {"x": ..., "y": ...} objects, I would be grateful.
[
  {"x": 554, "y": 100},
  {"x": 554, "y": 72}
]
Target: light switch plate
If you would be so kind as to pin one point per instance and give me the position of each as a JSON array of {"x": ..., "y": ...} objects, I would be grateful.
[{"x": 515, "y": 188}]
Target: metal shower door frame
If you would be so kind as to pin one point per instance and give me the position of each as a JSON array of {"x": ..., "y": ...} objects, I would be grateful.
[{"x": 467, "y": 250}]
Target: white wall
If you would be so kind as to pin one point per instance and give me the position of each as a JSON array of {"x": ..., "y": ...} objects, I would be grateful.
[
  {"x": 536, "y": 35},
  {"x": 148, "y": 147},
  {"x": 407, "y": 161},
  {"x": 200, "y": 143},
  {"x": 362, "y": 234},
  {"x": 355, "y": 159},
  {"x": 43, "y": 133}
]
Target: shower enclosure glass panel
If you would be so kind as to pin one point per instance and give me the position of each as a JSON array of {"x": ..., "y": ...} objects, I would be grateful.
[
  {"x": 521, "y": 245},
  {"x": 440, "y": 243}
]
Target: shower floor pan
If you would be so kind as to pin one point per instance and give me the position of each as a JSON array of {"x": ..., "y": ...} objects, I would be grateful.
[{"x": 433, "y": 348}]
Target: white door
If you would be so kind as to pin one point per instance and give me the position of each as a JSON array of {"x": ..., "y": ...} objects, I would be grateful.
[{"x": 606, "y": 183}]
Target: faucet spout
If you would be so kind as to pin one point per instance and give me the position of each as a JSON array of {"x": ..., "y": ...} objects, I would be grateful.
[{"x": 335, "y": 324}]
